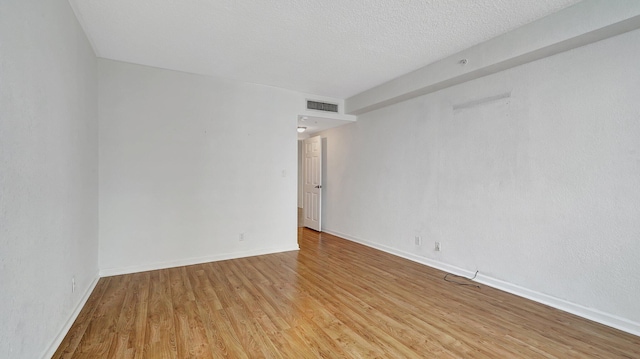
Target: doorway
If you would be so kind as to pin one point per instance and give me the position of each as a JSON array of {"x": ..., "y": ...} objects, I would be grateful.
[{"x": 311, "y": 194}]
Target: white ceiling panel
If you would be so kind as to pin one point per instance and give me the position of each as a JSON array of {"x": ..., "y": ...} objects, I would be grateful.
[{"x": 324, "y": 47}]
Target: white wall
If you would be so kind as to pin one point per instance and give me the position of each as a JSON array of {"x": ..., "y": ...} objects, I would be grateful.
[
  {"x": 189, "y": 162},
  {"x": 48, "y": 174},
  {"x": 539, "y": 190}
]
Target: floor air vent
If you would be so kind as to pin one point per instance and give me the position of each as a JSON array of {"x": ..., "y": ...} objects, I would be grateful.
[{"x": 322, "y": 106}]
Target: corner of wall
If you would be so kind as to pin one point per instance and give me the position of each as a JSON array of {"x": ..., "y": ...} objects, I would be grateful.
[{"x": 72, "y": 318}]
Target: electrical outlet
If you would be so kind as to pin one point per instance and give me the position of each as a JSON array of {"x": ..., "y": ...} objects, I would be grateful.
[
  {"x": 437, "y": 247},
  {"x": 418, "y": 240},
  {"x": 241, "y": 237},
  {"x": 73, "y": 284}
]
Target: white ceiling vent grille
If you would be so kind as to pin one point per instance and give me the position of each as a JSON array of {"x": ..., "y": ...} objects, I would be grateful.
[{"x": 322, "y": 106}]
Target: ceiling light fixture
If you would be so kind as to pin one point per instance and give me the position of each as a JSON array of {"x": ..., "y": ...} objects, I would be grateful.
[{"x": 301, "y": 129}]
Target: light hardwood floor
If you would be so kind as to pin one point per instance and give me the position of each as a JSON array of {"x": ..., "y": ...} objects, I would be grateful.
[{"x": 332, "y": 299}]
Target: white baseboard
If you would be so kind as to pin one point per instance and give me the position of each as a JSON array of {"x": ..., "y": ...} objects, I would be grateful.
[
  {"x": 561, "y": 304},
  {"x": 406, "y": 255},
  {"x": 108, "y": 272},
  {"x": 74, "y": 315},
  {"x": 142, "y": 268}
]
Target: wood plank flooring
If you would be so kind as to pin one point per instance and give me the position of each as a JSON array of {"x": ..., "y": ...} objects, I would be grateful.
[{"x": 332, "y": 299}]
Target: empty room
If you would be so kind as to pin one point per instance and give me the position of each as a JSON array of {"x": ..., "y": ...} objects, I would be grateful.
[{"x": 319, "y": 179}]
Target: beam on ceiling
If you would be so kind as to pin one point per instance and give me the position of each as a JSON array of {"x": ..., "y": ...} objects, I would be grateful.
[{"x": 578, "y": 25}]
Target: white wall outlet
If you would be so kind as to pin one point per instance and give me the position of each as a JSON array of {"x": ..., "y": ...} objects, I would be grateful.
[
  {"x": 73, "y": 284},
  {"x": 418, "y": 241},
  {"x": 437, "y": 247},
  {"x": 241, "y": 237}
]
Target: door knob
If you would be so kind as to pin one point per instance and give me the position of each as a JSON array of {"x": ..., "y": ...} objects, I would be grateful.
[{"x": 318, "y": 186}]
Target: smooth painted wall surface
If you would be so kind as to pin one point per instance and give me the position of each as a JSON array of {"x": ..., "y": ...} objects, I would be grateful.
[
  {"x": 48, "y": 173},
  {"x": 188, "y": 163},
  {"x": 531, "y": 176}
]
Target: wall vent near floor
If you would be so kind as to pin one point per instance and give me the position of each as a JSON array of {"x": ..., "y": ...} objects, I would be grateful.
[{"x": 322, "y": 106}]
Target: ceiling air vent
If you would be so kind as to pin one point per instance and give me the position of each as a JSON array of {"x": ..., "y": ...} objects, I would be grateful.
[{"x": 322, "y": 106}]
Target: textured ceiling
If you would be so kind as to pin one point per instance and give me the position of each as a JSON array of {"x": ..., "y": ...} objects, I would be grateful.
[{"x": 334, "y": 48}]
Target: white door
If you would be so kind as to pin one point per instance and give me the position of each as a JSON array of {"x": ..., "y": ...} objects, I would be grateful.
[{"x": 312, "y": 181}]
